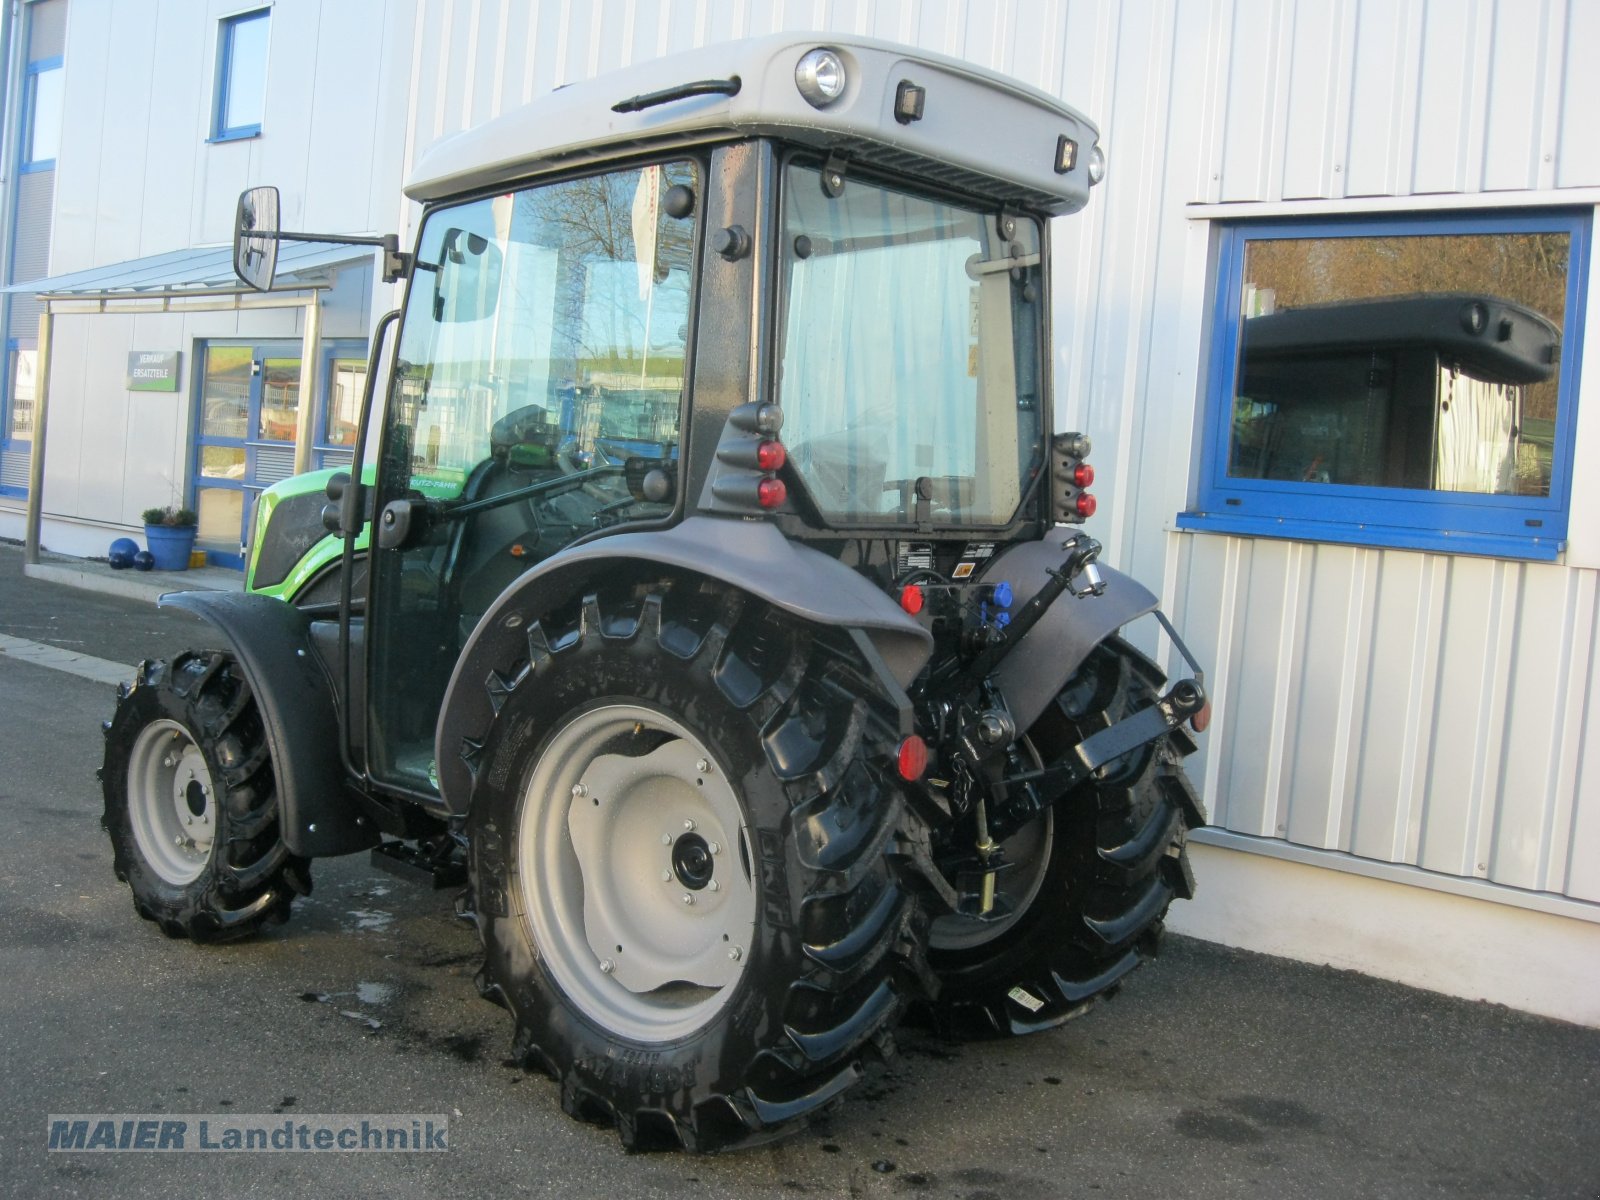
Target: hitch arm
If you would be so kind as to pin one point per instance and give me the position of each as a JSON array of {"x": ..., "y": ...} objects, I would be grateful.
[{"x": 1182, "y": 701}]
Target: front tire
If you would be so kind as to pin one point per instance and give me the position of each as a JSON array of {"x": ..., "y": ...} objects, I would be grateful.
[
  {"x": 191, "y": 805},
  {"x": 1089, "y": 880},
  {"x": 678, "y": 736}
]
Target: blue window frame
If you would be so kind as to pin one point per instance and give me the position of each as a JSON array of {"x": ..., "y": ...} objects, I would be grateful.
[
  {"x": 41, "y": 115},
  {"x": 241, "y": 84},
  {"x": 1399, "y": 381}
]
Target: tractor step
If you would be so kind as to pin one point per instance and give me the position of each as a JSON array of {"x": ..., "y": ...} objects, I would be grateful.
[{"x": 408, "y": 861}]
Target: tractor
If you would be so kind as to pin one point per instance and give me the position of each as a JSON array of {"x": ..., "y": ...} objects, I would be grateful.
[{"x": 708, "y": 597}]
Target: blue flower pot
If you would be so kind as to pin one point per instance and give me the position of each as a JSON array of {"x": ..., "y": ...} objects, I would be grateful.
[{"x": 170, "y": 545}]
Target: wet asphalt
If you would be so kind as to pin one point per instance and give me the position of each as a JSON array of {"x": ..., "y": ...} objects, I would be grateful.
[{"x": 1216, "y": 1073}]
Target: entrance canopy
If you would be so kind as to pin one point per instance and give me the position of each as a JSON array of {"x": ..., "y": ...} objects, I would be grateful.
[
  {"x": 199, "y": 279},
  {"x": 197, "y": 271}
]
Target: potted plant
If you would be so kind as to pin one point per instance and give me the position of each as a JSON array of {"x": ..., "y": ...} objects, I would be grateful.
[{"x": 169, "y": 532}]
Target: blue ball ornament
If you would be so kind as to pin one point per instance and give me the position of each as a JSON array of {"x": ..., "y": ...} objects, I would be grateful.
[
  {"x": 144, "y": 560},
  {"x": 121, "y": 553}
]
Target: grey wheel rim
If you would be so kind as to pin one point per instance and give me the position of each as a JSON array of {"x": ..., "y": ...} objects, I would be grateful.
[
  {"x": 634, "y": 872},
  {"x": 171, "y": 802}
]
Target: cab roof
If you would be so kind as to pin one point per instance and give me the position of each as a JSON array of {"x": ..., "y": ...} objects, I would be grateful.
[{"x": 980, "y": 132}]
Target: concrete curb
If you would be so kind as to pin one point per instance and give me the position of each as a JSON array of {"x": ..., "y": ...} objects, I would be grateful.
[{"x": 96, "y": 577}]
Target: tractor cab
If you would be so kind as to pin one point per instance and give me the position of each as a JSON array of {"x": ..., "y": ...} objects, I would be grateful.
[{"x": 779, "y": 281}]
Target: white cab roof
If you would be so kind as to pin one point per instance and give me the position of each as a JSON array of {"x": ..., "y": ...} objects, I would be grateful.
[{"x": 980, "y": 131}]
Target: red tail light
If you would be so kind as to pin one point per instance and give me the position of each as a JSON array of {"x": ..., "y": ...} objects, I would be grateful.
[
  {"x": 770, "y": 456},
  {"x": 1202, "y": 718},
  {"x": 912, "y": 598},
  {"x": 1086, "y": 504},
  {"x": 1083, "y": 475},
  {"x": 771, "y": 492},
  {"x": 913, "y": 758}
]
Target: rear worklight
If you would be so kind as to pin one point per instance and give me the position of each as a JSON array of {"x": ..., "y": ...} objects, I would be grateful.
[
  {"x": 1086, "y": 504},
  {"x": 771, "y": 492},
  {"x": 912, "y": 598},
  {"x": 1083, "y": 475},
  {"x": 770, "y": 456},
  {"x": 912, "y": 760}
]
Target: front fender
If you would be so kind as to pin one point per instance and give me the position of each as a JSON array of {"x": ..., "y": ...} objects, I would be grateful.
[
  {"x": 271, "y": 640},
  {"x": 1032, "y": 674},
  {"x": 750, "y": 555}
]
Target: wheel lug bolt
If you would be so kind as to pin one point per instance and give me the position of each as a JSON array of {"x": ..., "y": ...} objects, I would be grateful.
[
  {"x": 714, "y": 886},
  {"x": 688, "y": 824},
  {"x": 735, "y": 953},
  {"x": 666, "y": 839},
  {"x": 666, "y": 877},
  {"x": 714, "y": 847},
  {"x": 687, "y": 898},
  {"x": 579, "y": 789},
  {"x": 703, "y": 766},
  {"x": 607, "y": 966}
]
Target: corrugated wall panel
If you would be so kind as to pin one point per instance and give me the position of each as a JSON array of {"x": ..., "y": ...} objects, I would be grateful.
[{"x": 1410, "y": 708}]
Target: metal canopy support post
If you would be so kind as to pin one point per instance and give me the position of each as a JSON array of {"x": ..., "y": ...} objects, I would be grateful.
[
  {"x": 41, "y": 412},
  {"x": 310, "y": 351}
]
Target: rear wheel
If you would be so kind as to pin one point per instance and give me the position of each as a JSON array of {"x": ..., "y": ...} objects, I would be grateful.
[
  {"x": 190, "y": 802},
  {"x": 1088, "y": 882},
  {"x": 685, "y": 839}
]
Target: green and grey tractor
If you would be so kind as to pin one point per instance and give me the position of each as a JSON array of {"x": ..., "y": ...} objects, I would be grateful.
[{"x": 708, "y": 598}]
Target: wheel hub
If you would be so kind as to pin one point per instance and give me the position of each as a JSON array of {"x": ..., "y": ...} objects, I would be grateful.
[{"x": 692, "y": 861}]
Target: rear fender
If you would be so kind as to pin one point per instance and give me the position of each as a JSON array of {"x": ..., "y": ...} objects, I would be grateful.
[
  {"x": 1050, "y": 652},
  {"x": 318, "y": 813},
  {"x": 750, "y": 555}
]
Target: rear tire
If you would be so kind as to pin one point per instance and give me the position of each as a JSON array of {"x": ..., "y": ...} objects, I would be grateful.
[
  {"x": 1091, "y": 878},
  {"x": 670, "y": 703},
  {"x": 191, "y": 805}
]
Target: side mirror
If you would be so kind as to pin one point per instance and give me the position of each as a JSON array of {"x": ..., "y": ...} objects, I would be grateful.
[
  {"x": 466, "y": 284},
  {"x": 255, "y": 237}
]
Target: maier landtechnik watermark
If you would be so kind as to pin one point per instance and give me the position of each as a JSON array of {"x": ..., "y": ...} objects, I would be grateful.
[{"x": 248, "y": 1133}]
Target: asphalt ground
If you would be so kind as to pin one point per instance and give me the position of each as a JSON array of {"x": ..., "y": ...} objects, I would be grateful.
[{"x": 1216, "y": 1073}]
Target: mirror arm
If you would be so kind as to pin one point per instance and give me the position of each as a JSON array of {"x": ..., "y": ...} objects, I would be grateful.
[{"x": 395, "y": 261}]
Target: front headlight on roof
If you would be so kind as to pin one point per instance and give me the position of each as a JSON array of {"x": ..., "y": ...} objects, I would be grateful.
[
  {"x": 1097, "y": 164},
  {"x": 820, "y": 77}
]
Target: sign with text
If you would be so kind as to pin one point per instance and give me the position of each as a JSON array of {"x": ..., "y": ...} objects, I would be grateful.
[{"x": 152, "y": 370}]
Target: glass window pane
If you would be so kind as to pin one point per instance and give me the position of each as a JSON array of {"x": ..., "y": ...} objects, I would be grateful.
[
  {"x": 221, "y": 513},
  {"x": 280, "y": 399},
  {"x": 245, "y": 88},
  {"x": 1423, "y": 362},
  {"x": 222, "y": 462},
  {"x": 225, "y": 392},
  {"x": 344, "y": 400},
  {"x": 910, "y": 352},
  {"x": 44, "y": 127},
  {"x": 22, "y": 366}
]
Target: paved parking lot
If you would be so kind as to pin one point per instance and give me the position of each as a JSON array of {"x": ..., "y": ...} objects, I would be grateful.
[{"x": 1215, "y": 1074}]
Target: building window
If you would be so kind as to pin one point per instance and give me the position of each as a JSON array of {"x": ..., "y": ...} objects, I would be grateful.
[
  {"x": 241, "y": 76},
  {"x": 1398, "y": 382},
  {"x": 41, "y": 121}
]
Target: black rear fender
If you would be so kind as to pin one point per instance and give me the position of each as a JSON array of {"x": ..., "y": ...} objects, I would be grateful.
[
  {"x": 750, "y": 555},
  {"x": 1054, "y": 649},
  {"x": 319, "y": 813}
]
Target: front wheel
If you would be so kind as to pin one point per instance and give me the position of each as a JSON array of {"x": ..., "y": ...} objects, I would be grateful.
[
  {"x": 191, "y": 804},
  {"x": 684, "y": 839},
  {"x": 1088, "y": 882}
]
